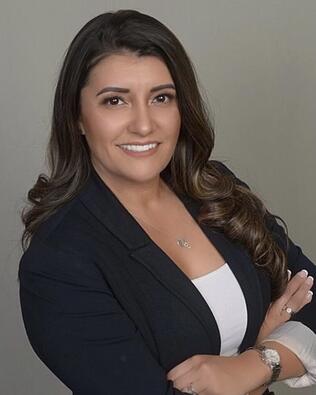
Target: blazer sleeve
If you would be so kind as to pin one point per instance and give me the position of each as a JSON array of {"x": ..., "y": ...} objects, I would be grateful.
[
  {"x": 79, "y": 330},
  {"x": 297, "y": 260}
]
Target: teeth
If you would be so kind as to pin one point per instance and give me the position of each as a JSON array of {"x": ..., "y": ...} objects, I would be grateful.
[{"x": 138, "y": 148}]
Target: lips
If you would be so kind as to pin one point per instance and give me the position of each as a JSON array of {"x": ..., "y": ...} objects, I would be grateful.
[
  {"x": 130, "y": 149},
  {"x": 140, "y": 143}
]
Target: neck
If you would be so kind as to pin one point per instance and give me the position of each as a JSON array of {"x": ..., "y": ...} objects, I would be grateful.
[{"x": 141, "y": 196}]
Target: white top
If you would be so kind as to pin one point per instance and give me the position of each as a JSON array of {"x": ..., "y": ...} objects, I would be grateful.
[{"x": 225, "y": 298}]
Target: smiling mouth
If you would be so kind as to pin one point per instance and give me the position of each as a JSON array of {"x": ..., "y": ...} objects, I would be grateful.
[{"x": 139, "y": 147}]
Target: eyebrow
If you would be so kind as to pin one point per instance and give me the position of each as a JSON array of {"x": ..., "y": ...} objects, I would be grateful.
[{"x": 125, "y": 90}]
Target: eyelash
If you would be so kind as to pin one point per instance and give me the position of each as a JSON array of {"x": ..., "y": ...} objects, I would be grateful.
[{"x": 107, "y": 99}]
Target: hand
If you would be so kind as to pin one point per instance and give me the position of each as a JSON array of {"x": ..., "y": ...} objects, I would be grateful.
[
  {"x": 211, "y": 375},
  {"x": 258, "y": 391},
  {"x": 295, "y": 296}
]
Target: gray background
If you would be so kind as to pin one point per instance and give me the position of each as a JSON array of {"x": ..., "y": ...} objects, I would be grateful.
[{"x": 256, "y": 62}]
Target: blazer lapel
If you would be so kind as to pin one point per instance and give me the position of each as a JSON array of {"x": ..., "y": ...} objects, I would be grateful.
[{"x": 104, "y": 205}]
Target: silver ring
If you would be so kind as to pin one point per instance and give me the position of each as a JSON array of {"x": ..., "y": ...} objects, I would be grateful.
[
  {"x": 289, "y": 310},
  {"x": 191, "y": 390}
]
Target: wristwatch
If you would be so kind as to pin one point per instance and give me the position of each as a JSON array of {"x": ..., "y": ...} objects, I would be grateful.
[{"x": 271, "y": 358}]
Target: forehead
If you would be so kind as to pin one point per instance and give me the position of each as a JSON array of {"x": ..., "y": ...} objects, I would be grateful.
[{"x": 129, "y": 70}]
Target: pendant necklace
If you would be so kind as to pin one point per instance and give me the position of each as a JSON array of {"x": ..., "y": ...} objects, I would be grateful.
[{"x": 183, "y": 243}]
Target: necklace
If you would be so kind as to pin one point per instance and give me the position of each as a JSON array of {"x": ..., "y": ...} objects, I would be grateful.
[{"x": 181, "y": 242}]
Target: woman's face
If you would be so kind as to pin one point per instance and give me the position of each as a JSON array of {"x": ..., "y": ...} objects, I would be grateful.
[{"x": 142, "y": 114}]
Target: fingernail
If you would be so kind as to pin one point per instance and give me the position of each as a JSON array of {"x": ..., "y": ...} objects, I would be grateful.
[
  {"x": 303, "y": 273},
  {"x": 309, "y": 295},
  {"x": 310, "y": 280}
]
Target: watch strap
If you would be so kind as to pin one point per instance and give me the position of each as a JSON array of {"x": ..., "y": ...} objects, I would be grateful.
[{"x": 273, "y": 363}]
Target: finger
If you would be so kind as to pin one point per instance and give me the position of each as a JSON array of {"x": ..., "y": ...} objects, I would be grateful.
[
  {"x": 300, "y": 298},
  {"x": 197, "y": 386},
  {"x": 180, "y": 369},
  {"x": 287, "y": 298},
  {"x": 182, "y": 381},
  {"x": 292, "y": 287},
  {"x": 309, "y": 296}
]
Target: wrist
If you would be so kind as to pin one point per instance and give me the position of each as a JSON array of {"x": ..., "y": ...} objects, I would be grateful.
[
  {"x": 292, "y": 366},
  {"x": 265, "y": 331},
  {"x": 260, "y": 372},
  {"x": 271, "y": 358}
]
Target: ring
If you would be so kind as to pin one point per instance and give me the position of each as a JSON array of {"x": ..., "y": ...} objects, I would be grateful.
[
  {"x": 191, "y": 390},
  {"x": 289, "y": 310}
]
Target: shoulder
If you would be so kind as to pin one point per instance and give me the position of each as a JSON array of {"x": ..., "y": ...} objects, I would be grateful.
[
  {"x": 60, "y": 251},
  {"x": 69, "y": 231},
  {"x": 271, "y": 223},
  {"x": 64, "y": 228}
]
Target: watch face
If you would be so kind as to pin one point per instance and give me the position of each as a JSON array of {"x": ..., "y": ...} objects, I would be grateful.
[{"x": 272, "y": 355}]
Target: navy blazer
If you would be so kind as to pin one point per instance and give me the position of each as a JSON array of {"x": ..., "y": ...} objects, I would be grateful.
[{"x": 110, "y": 313}]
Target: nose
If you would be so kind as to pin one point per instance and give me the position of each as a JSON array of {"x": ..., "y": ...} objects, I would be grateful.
[{"x": 141, "y": 120}]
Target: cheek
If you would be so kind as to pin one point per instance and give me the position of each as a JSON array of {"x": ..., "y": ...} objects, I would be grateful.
[
  {"x": 170, "y": 122},
  {"x": 176, "y": 120},
  {"x": 176, "y": 127},
  {"x": 100, "y": 130}
]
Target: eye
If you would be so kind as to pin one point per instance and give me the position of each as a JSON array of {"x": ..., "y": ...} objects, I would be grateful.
[
  {"x": 168, "y": 95},
  {"x": 112, "y": 101}
]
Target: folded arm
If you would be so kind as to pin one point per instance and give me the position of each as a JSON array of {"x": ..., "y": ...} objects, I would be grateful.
[
  {"x": 79, "y": 330},
  {"x": 298, "y": 337}
]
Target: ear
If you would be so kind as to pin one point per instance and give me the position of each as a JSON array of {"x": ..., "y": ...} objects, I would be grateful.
[{"x": 81, "y": 128}]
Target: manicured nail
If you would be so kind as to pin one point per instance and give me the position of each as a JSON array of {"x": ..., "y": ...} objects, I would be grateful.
[
  {"x": 303, "y": 273},
  {"x": 310, "y": 280},
  {"x": 309, "y": 295}
]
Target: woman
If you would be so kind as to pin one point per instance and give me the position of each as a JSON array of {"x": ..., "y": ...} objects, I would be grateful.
[{"x": 134, "y": 220}]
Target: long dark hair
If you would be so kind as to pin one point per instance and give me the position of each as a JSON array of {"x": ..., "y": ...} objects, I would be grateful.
[{"x": 226, "y": 204}]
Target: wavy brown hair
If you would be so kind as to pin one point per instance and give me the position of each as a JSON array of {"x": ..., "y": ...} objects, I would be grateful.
[{"x": 226, "y": 203}]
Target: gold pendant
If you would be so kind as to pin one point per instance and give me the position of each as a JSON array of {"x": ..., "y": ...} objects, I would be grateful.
[{"x": 183, "y": 243}]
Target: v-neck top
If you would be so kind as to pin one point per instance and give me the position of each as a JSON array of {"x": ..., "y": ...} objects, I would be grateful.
[{"x": 223, "y": 294}]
